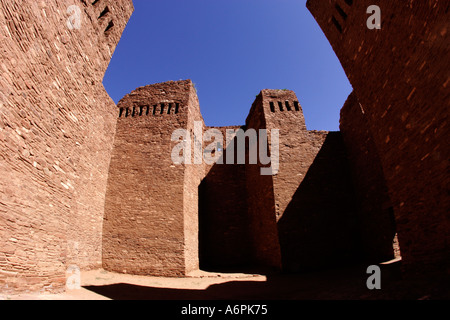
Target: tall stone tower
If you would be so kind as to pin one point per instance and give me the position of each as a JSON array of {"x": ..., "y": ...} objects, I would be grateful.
[
  {"x": 302, "y": 216},
  {"x": 151, "y": 210},
  {"x": 401, "y": 83},
  {"x": 57, "y": 126}
]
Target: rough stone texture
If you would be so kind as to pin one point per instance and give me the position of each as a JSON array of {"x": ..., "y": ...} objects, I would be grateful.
[
  {"x": 302, "y": 217},
  {"x": 400, "y": 76},
  {"x": 331, "y": 202},
  {"x": 151, "y": 210},
  {"x": 57, "y": 125},
  {"x": 313, "y": 194},
  {"x": 224, "y": 234},
  {"x": 375, "y": 213},
  {"x": 265, "y": 247}
]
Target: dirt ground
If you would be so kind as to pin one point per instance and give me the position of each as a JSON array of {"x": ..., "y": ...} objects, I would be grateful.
[{"x": 340, "y": 284}]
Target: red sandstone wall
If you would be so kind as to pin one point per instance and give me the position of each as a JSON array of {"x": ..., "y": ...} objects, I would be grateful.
[
  {"x": 319, "y": 228},
  {"x": 376, "y": 218},
  {"x": 56, "y": 132},
  {"x": 193, "y": 175},
  {"x": 312, "y": 190},
  {"x": 282, "y": 111},
  {"x": 400, "y": 76},
  {"x": 263, "y": 232},
  {"x": 224, "y": 233},
  {"x": 151, "y": 225}
]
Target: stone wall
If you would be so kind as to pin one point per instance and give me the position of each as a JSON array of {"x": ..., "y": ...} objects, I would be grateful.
[
  {"x": 400, "y": 77},
  {"x": 302, "y": 217},
  {"x": 151, "y": 224},
  {"x": 313, "y": 192},
  {"x": 224, "y": 232},
  {"x": 265, "y": 247},
  {"x": 375, "y": 213},
  {"x": 57, "y": 125}
]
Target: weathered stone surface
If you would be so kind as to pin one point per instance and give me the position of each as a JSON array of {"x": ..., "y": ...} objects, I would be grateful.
[
  {"x": 57, "y": 126},
  {"x": 375, "y": 212},
  {"x": 400, "y": 75},
  {"x": 76, "y": 191},
  {"x": 151, "y": 210},
  {"x": 300, "y": 218}
]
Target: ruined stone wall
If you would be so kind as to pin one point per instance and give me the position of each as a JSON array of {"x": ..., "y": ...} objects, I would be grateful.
[
  {"x": 312, "y": 190},
  {"x": 400, "y": 76},
  {"x": 282, "y": 111},
  {"x": 300, "y": 218},
  {"x": 150, "y": 225},
  {"x": 57, "y": 125},
  {"x": 375, "y": 213},
  {"x": 263, "y": 232},
  {"x": 193, "y": 175},
  {"x": 224, "y": 233},
  {"x": 318, "y": 229}
]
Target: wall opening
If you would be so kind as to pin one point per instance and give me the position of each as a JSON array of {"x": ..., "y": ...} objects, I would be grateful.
[
  {"x": 272, "y": 106},
  {"x": 288, "y": 106},
  {"x": 109, "y": 27},
  {"x": 103, "y": 13},
  {"x": 336, "y": 24},
  {"x": 341, "y": 11},
  {"x": 280, "y": 105}
]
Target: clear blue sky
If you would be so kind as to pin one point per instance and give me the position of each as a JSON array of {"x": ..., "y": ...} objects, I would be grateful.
[{"x": 231, "y": 50}]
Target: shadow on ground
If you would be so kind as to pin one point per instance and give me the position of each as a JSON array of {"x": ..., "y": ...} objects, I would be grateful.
[{"x": 342, "y": 284}]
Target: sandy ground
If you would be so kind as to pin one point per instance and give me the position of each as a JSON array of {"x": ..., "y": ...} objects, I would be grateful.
[
  {"x": 199, "y": 280},
  {"x": 340, "y": 284}
]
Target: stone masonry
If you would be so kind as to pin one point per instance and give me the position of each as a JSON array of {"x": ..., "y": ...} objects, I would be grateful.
[
  {"x": 151, "y": 210},
  {"x": 57, "y": 126},
  {"x": 400, "y": 77},
  {"x": 86, "y": 184},
  {"x": 301, "y": 218}
]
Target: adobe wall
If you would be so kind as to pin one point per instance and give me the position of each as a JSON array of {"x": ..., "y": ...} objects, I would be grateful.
[
  {"x": 151, "y": 208},
  {"x": 224, "y": 233},
  {"x": 319, "y": 229},
  {"x": 57, "y": 125},
  {"x": 326, "y": 198},
  {"x": 265, "y": 247},
  {"x": 283, "y": 111},
  {"x": 401, "y": 79},
  {"x": 375, "y": 212},
  {"x": 193, "y": 175},
  {"x": 312, "y": 190}
]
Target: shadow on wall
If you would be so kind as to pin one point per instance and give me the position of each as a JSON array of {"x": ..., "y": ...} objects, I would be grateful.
[
  {"x": 319, "y": 228},
  {"x": 224, "y": 243}
]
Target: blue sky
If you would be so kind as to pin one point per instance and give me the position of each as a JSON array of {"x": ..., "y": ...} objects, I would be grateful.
[{"x": 231, "y": 50}]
